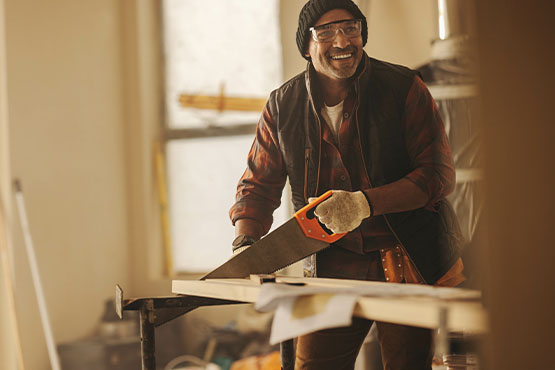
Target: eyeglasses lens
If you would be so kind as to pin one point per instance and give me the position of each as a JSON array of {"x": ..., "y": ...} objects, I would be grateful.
[{"x": 327, "y": 32}]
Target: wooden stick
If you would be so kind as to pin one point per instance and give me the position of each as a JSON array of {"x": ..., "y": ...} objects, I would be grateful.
[
  {"x": 50, "y": 344},
  {"x": 163, "y": 200}
]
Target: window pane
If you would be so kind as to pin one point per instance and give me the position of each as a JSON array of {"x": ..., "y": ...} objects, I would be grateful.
[
  {"x": 213, "y": 42},
  {"x": 204, "y": 175}
]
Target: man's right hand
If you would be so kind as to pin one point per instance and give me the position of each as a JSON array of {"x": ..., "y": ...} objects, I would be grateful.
[
  {"x": 241, "y": 243},
  {"x": 240, "y": 249}
]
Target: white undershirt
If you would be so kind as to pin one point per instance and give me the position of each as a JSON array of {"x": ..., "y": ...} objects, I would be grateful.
[{"x": 334, "y": 118}]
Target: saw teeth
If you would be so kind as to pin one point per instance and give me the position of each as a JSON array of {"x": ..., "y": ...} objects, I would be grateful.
[{"x": 291, "y": 264}]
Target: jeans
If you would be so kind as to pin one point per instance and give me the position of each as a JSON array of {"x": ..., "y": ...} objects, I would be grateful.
[{"x": 403, "y": 347}]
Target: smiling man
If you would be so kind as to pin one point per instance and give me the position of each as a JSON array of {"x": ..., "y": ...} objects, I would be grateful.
[
  {"x": 369, "y": 131},
  {"x": 336, "y": 47}
]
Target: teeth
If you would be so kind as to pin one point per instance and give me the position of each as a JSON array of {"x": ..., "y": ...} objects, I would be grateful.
[{"x": 341, "y": 56}]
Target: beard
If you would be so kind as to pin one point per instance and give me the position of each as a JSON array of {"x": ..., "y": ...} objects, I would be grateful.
[{"x": 341, "y": 69}]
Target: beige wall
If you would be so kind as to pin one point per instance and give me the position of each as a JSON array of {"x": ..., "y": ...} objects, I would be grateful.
[
  {"x": 401, "y": 31},
  {"x": 8, "y": 331},
  {"x": 83, "y": 83},
  {"x": 293, "y": 63},
  {"x": 83, "y": 90},
  {"x": 67, "y": 144}
]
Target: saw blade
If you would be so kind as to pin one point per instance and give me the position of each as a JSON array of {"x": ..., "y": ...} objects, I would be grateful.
[{"x": 284, "y": 246}]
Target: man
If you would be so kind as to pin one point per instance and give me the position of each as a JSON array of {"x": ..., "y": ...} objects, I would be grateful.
[{"x": 371, "y": 132}]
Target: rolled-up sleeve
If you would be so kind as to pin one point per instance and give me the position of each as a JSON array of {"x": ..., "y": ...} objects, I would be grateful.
[
  {"x": 259, "y": 189},
  {"x": 427, "y": 145}
]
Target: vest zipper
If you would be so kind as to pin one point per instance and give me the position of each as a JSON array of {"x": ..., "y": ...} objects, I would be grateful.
[
  {"x": 306, "y": 160},
  {"x": 371, "y": 186},
  {"x": 312, "y": 257},
  {"x": 319, "y": 142}
]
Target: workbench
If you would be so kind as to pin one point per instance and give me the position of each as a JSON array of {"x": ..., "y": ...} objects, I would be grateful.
[{"x": 460, "y": 310}]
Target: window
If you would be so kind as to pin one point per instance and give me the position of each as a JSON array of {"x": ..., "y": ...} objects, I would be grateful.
[{"x": 216, "y": 52}]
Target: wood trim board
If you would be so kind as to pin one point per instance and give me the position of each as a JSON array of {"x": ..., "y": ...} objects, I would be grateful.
[{"x": 463, "y": 307}]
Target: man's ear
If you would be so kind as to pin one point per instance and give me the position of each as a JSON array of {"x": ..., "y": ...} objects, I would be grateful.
[{"x": 307, "y": 50}]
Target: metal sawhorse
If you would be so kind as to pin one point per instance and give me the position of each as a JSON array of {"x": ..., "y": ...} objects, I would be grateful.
[{"x": 155, "y": 311}]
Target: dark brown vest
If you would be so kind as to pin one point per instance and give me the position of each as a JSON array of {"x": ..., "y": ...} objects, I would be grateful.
[{"x": 432, "y": 239}]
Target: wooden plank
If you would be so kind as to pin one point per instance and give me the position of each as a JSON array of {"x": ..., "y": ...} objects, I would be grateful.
[
  {"x": 455, "y": 293},
  {"x": 242, "y": 290},
  {"x": 221, "y": 103},
  {"x": 211, "y": 131},
  {"x": 464, "y": 310},
  {"x": 451, "y": 92},
  {"x": 424, "y": 312}
]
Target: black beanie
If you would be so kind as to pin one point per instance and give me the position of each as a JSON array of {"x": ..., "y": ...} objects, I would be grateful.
[{"x": 314, "y": 9}]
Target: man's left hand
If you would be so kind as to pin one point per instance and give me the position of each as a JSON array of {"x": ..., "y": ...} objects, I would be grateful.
[{"x": 343, "y": 211}]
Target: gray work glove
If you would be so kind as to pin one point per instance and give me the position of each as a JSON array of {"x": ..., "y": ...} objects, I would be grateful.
[
  {"x": 240, "y": 249},
  {"x": 343, "y": 211},
  {"x": 241, "y": 243}
]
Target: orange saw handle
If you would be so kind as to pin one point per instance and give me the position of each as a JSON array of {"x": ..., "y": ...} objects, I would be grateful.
[{"x": 311, "y": 227}]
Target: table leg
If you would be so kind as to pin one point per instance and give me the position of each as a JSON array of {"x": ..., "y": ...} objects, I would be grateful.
[
  {"x": 442, "y": 337},
  {"x": 287, "y": 350},
  {"x": 148, "y": 358}
]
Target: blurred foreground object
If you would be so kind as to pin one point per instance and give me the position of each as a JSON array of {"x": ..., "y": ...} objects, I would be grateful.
[{"x": 270, "y": 361}]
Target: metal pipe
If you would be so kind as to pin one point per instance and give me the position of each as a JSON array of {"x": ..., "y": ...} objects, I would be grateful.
[
  {"x": 443, "y": 19},
  {"x": 287, "y": 349},
  {"x": 455, "y": 18},
  {"x": 442, "y": 338},
  {"x": 148, "y": 357},
  {"x": 35, "y": 275}
]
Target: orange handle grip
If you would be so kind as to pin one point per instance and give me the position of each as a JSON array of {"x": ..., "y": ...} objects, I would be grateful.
[{"x": 311, "y": 227}]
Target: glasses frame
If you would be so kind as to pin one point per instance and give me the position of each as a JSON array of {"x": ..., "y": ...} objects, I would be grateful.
[{"x": 315, "y": 28}]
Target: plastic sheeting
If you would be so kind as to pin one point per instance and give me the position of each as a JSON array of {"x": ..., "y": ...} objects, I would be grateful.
[{"x": 459, "y": 110}]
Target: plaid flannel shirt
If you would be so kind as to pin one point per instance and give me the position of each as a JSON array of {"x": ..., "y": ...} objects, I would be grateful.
[{"x": 259, "y": 189}]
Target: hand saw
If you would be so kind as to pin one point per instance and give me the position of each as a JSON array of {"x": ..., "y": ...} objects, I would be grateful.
[{"x": 296, "y": 239}]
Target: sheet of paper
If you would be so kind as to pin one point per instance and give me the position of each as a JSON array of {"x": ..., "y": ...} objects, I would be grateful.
[
  {"x": 271, "y": 293},
  {"x": 303, "y": 309},
  {"x": 300, "y": 315}
]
